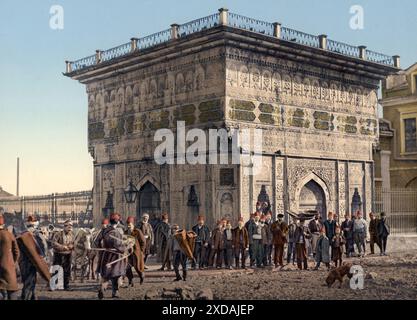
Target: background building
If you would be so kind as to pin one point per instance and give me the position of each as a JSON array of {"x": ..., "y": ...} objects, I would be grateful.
[{"x": 399, "y": 137}]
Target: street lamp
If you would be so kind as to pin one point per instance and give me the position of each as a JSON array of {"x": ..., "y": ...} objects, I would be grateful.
[{"x": 131, "y": 193}]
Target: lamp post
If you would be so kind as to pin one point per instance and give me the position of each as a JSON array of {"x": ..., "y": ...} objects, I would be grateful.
[{"x": 131, "y": 194}]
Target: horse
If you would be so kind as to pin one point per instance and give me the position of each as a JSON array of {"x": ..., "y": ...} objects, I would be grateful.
[{"x": 80, "y": 255}]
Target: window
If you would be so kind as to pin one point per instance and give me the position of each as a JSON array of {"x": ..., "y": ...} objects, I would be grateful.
[
  {"x": 410, "y": 135},
  {"x": 415, "y": 83}
]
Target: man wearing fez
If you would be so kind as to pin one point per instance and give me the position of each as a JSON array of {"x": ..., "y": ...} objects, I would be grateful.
[
  {"x": 279, "y": 232},
  {"x": 9, "y": 255},
  {"x": 201, "y": 244},
  {"x": 147, "y": 231},
  {"x": 63, "y": 245},
  {"x": 136, "y": 259},
  {"x": 240, "y": 243}
]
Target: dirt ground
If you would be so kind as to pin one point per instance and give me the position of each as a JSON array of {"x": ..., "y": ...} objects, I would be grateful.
[{"x": 392, "y": 277}]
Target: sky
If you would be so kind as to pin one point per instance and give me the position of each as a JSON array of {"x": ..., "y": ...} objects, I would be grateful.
[{"x": 43, "y": 115}]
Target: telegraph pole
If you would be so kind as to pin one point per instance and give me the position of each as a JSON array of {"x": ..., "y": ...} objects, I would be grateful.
[{"x": 17, "y": 182}]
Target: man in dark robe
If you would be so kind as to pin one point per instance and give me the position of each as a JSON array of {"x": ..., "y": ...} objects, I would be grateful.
[
  {"x": 383, "y": 233},
  {"x": 28, "y": 271},
  {"x": 114, "y": 258},
  {"x": 161, "y": 237},
  {"x": 201, "y": 244}
]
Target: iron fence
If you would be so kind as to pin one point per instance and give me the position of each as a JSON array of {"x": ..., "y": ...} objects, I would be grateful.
[
  {"x": 54, "y": 209},
  {"x": 400, "y": 205}
]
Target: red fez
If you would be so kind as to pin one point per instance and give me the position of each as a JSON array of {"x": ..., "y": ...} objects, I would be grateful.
[
  {"x": 1, "y": 220},
  {"x": 200, "y": 218},
  {"x": 105, "y": 221},
  {"x": 130, "y": 220},
  {"x": 115, "y": 217}
]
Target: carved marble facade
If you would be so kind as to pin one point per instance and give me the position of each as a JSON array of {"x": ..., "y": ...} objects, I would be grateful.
[{"x": 318, "y": 118}]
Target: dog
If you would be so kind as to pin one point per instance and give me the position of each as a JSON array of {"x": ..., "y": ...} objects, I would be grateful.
[{"x": 338, "y": 274}]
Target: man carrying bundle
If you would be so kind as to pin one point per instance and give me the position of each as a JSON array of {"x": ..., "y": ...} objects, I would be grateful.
[
  {"x": 114, "y": 258},
  {"x": 182, "y": 248}
]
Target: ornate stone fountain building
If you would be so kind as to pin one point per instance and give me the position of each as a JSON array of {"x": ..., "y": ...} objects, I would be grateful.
[{"x": 314, "y": 98}]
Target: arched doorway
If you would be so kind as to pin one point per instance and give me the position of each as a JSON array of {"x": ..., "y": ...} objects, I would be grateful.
[
  {"x": 148, "y": 201},
  {"x": 412, "y": 184},
  {"x": 312, "y": 197}
]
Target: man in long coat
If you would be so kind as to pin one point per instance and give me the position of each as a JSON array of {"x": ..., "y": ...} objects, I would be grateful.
[
  {"x": 217, "y": 245},
  {"x": 28, "y": 270},
  {"x": 383, "y": 233},
  {"x": 168, "y": 260},
  {"x": 279, "y": 233},
  {"x": 114, "y": 259},
  {"x": 255, "y": 239},
  {"x": 314, "y": 226},
  {"x": 347, "y": 228},
  {"x": 147, "y": 231},
  {"x": 201, "y": 244},
  {"x": 136, "y": 259},
  {"x": 9, "y": 254},
  {"x": 322, "y": 253},
  {"x": 162, "y": 232},
  {"x": 240, "y": 243},
  {"x": 373, "y": 232},
  {"x": 302, "y": 235}
]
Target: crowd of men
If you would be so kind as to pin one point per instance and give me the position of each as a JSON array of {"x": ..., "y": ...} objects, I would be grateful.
[
  {"x": 265, "y": 241},
  {"x": 123, "y": 247}
]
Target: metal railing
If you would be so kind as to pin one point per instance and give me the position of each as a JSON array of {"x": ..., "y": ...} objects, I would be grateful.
[
  {"x": 300, "y": 37},
  {"x": 116, "y": 52},
  {"x": 235, "y": 21},
  {"x": 379, "y": 58},
  {"x": 400, "y": 205},
  {"x": 198, "y": 25},
  {"x": 343, "y": 48},
  {"x": 83, "y": 63},
  {"x": 154, "y": 39},
  {"x": 249, "y": 24}
]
